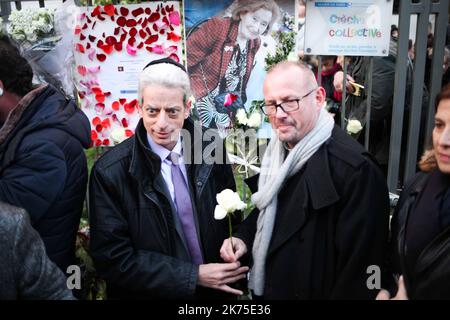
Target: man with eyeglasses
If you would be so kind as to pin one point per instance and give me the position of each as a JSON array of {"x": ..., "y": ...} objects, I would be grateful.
[{"x": 322, "y": 212}]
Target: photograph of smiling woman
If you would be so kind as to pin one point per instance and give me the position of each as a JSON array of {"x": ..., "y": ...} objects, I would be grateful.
[{"x": 221, "y": 55}]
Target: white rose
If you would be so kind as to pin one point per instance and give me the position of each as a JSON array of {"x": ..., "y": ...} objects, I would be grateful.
[
  {"x": 292, "y": 56},
  {"x": 225, "y": 199},
  {"x": 354, "y": 126},
  {"x": 255, "y": 120},
  {"x": 229, "y": 202},
  {"x": 241, "y": 117},
  {"x": 118, "y": 135},
  {"x": 219, "y": 213}
]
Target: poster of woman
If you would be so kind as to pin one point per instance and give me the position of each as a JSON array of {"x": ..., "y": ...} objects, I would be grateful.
[{"x": 226, "y": 53}]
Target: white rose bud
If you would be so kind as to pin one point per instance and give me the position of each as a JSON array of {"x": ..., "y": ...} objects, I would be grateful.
[
  {"x": 255, "y": 120},
  {"x": 354, "y": 126},
  {"x": 118, "y": 135},
  {"x": 241, "y": 117}
]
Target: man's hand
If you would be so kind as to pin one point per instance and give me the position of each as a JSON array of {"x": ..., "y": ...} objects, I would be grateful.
[
  {"x": 219, "y": 275},
  {"x": 339, "y": 80},
  {"x": 232, "y": 253},
  {"x": 401, "y": 292}
]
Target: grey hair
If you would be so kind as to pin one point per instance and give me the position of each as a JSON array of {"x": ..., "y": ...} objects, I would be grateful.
[{"x": 167, "y": 75}]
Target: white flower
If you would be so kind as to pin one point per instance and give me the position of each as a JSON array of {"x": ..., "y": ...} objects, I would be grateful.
[
  {"x": 219, "y": 213},
  {"x": 228, "y": 202},
  {"x": 241, "y": 117},
  {"x": 118, "y": 135},
  {"x": 354, "y": 126},
  {"x": 255, "y": 120},
  {"x": 292, "y": 56}
]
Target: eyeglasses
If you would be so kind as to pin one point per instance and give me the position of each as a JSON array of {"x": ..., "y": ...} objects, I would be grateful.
[{"x": 286, "y": 106}]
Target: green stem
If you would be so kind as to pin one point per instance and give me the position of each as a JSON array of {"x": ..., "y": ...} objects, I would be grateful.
[{"x": 231, "y": 231}]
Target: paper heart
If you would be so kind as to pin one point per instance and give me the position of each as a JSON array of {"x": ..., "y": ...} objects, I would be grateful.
[
  {"x": 92, "y": 38},
  {"x": 123, "y": 37},
  {"x": 116, "y": 31},
  {"x": 100, "y": 98},
  {"x": 118, "y": 46},
  {"x": 129, "y": 133},
  {"x": 88, "y": 46},
  {"x": 131, "y": 23},
  {"x": 100, "y": 17},
  {"x": 131, "y": 50},
  {"x": 84, "y": 26},
  {"x": 173, "y": 36},
  {"x": 115, "y": 105},
  {"x": 229, "y": 99},
  {"x": 81, "y": 94},
  {"x": 148, "y": 11},
  {"x": 171, "y": 49},
  {"x": 109, "y": 9},
  {"x": 154, "y": 17},
  {"x": 94, "y": 135},
  {"x": 99, "y": 128},
  {"x": 124, "y": 11},
  {"x": 97, "y": 90},
  {"x": 158, "y": 49},
  {"x": 153, "y": 38},
  {"x": 137, "y": 12},
  {"x": 106, "y": 142},
  {"x": 169, "y": 8},
  {"x": 121, "y": 21},
  {"x": 163, "y": 11},
  {"x": 77, "y": 30},
  {"x": 174, "y": 18},
  {"x": 96, "y": 11},
  {"x": 140, "y": 45},
  {"x": 106, "y": 123},
  {"x": 133, "y": 32},
  {"x": 99, "y": 107},
  {"x": 124, "y": 122},
  {"x": 98, "y": 143},
  {"x": 94, "y": 69},
  {"x": 96, "y": 121},
  {"x": 79, "y": 47},
  {"x": 173, "y": 56},
  {"x": 111, "y": 40},
  {"x": 108, "y": 49},
  {"x": 122, "y": 101},
  {"x": 100, "y": 43},
  {"x": 91, "y": 55},
  {"x": 144, "y": 23},
  {"x": 159, "y": 25},
  {"x": 82, "y": 70},
  {"x": 131, "y": 41},
  {"x": 142, "y": 34}
]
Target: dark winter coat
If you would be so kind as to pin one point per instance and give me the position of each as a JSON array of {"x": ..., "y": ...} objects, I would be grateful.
[
  {"x": 136, "y": 242},
  {"x": 430, "y": 278},
  {"x": 25, "y": 270},
  {"x": 331, "y": 225},
  {"x": 43, "y": 167}
]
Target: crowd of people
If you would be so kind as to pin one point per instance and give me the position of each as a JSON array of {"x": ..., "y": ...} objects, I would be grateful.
[{"x": 321, "y": 218}]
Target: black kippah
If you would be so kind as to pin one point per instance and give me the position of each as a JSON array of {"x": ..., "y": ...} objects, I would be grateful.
[{"x": 166, "y": 60}]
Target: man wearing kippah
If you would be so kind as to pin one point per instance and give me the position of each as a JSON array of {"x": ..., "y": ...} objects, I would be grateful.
[{"x": 152, "y": 200}]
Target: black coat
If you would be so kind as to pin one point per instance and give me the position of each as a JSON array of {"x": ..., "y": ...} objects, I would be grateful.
[
  {"x": 135, "y": 243},
  {"x": 331, "y": 225},
  {"x": 25, "y": 270},
  {"x": 43, "y": 168},
  {"x": 430, "y": 278}
]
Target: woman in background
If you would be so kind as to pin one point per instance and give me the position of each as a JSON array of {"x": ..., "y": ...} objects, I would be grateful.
[
  {"x": 221, "y": 55},
  {"x": 420, "y": 227}
]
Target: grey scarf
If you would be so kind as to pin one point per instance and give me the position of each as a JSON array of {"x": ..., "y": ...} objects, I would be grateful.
[{"x": 275, "y": 170}]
